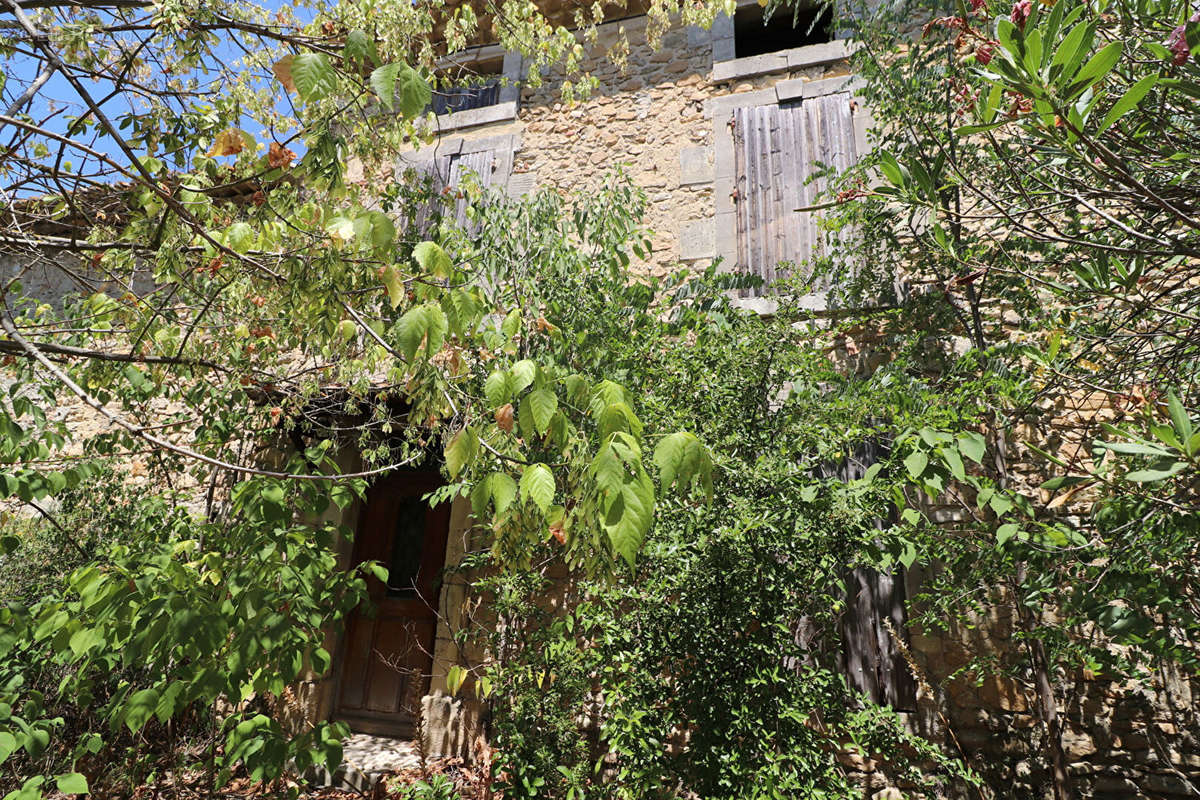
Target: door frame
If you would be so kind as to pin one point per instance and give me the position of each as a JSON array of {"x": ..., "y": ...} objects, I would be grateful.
[{"x": 408, "y": 483}]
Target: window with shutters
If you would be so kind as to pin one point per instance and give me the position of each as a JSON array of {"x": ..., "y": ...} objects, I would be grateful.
[
  {"x": 784, "y": 155},
  {"x": 438, "y": 173}
]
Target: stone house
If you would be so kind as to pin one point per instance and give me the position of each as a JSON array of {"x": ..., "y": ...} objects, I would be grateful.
[
  {"x": 723, "y": 129},
  {"x": 729, "y": 131}
]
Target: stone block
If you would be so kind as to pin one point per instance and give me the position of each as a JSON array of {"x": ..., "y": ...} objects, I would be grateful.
[
  {"x": 815, "y": 54},
  {"x": 791, "y": 89},
  {"x": 826, "y": 86},
  {"x": 521, "y": 183},
  {"x": 698, "y": 240},
  {"x": 695, "y": 165},
  {"x": 749, "y": 67},
  {"x": 452, "y": 726}
]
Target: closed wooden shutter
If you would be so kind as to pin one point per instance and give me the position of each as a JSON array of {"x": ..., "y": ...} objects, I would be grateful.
[
  {"x": 777, "y": 149},
  {"x": 447, "y": 171},
  {"x": 870, "y": 657}
]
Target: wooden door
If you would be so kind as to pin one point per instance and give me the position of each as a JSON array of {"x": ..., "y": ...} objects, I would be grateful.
[{"x": 387, "y": 652}]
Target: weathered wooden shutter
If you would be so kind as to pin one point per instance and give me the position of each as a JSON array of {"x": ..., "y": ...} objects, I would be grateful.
[
  {"x": 870, "y": 657},
  {"x": 777, "y": 148},
  {"x": 447, "y": 171}
]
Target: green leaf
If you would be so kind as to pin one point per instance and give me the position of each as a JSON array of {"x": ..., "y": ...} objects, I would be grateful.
[
  {"x": 681, "y": 457},
  {"x": 433, "y": 259},
  {"x": 71, "y": 783},
  {"x": 383, "y": 81},
  {"x": 1156, "y": 475},
  {"x": 412, "y": 92},
  {"x": 359, "y": 48},
  {"x": 503, "y": 489},
  {"x": 971, "y": 445},
  {"x": 1006, "y": 532},
  {"x": 629, "y": 516},
  {"x": 239, "y": 237},
  {"x": 30, "y": 789},
  {"x": 139, "y": 708},
  {"x": 313, "y": 76},
  {"x": 1071, "y": 48},
  {"x": 8, "y": 745},
  {"x": 461, "y": 451},
  {"x": 399, "y": 84},
  {"x": 1096, "y": 68},
  {"x": 523, "y": 373},
  {"x": 890, "y": 168},
  {"x": 497, "y": 388},
  {"x": 537, "y": 484},
  {"x": 543, "y": 404},
  {"x": 954, "y": 462},
  {"x": 1180, "y": 420},
  {"x": 916, "y": 462},
  {"x": 455, "y": 676},
  {"x": 511, "y": 324},
  {"x": 1059, "y": 481},
  {"x": 85, "y": 639},
  {"x": 382, "y": 231},
  {"x": 413, "y": 329},
  {"x": 1127, "y": 101}
]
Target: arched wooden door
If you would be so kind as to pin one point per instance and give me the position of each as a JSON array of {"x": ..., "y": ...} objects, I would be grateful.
[{"x": 387, "y": 652}]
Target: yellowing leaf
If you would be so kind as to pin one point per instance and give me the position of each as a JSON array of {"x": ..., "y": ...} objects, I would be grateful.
[
  {"x": 230, "y": 141},
  {"x": 283, "y": 72},
  {"x": 461, "y": 451},
  {"x": 395, "y": 286}
]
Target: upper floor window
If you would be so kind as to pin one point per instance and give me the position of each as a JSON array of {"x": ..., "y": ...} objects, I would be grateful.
[
  {"x": 750, "y": 44},
  {"x": 477, "y": 87},
  {"x": 755, "y": 34},
  {"x": 467, "y": 87}
]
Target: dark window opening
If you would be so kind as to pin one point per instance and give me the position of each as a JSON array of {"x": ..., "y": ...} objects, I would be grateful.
[
  {"x": 473, "y": 86},
  {"x": 783, "y": 31},
  {"x": 408, "y": 541}
]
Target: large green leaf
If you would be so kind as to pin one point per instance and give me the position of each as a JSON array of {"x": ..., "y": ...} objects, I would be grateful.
[
  {"x": 542, "y": 404},
  {"x": 1127, "y": 101},
  {"x": 139, "y": 708},
  {"x": 537, "y": 484},
  {"x": 497, "y": 388},
  {"x": 629, "y": 516},
  {"x": 1096, "y": 68},
  {"x": 72, "y": 783},
  {"x": 313, "y": 76},
  {"x": 398, "y": 84},
  {"x": 433, "y": 259},
  {"x": 503, "y": 490}
]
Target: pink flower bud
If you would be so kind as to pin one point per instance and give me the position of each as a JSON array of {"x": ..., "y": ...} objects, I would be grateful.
[
  {"x": 984, "y": 53},
  {"x": 1177, "y": 44},
  {"x": 1021, "y": 11}
]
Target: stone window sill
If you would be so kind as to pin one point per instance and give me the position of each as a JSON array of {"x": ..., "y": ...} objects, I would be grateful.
[
  {"x": 474, "y": 117},
  {"x": 784, "y": 61}
]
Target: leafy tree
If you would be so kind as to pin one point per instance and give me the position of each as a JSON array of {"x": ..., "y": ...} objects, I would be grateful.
[
  {"x": 1034, "y": 178},
  {"x": 238, "y": 302}
]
